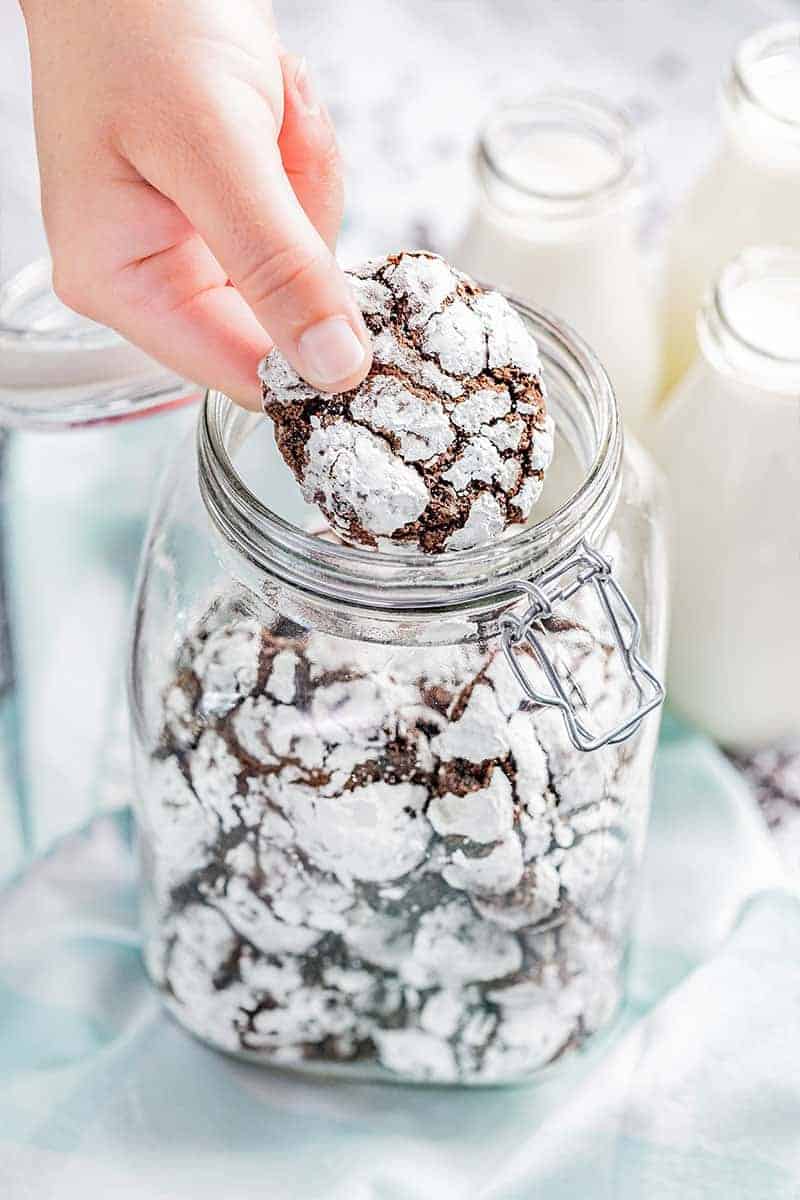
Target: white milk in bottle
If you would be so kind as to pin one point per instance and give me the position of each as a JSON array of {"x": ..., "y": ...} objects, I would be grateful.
[
  {"x": 750, "y": 195},
  {"x": 557, "y": 225},
  {"x": 729, "y": 442}
]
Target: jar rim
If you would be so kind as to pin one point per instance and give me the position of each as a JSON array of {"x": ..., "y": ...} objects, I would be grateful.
[
  {"x": 412, "y": 581},
  {"x": 59, "y": 371},
  {"x": 751, "y": 54},
  {"x": 582, "y": 112}
]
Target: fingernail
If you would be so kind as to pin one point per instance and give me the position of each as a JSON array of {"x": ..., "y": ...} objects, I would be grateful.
[
  {"x": 305, "y": 89},
  {"x": 330, "y": 351}
]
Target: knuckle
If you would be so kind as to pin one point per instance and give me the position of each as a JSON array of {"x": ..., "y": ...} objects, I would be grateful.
[
  {"x": 274, "y": 276},
  {"x": 71, "y": 287}
]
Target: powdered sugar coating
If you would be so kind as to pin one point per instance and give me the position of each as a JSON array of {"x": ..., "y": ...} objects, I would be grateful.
[
  {"x": 380, "y": 854},
  {"x": 485, "y": 521},
  {"x": 446, "y": 442},
  {"x": 421, "y": 426},
  {"x": 485, "y": 815},
  {"x": 351, "y": 469},
  {"x": 376, "y": 832}
]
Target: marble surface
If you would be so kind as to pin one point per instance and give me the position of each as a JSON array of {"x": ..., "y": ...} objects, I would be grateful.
[{"x": 409, "y": 82}]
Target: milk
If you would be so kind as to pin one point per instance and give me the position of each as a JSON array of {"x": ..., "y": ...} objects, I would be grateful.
[
  {"x": 556, "y": 225},
  {"x": 729, "y": 441},
  {"x": 751, "y": 193}
]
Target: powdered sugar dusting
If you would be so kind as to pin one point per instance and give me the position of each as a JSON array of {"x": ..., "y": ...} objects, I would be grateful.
[
  {"x": 351, "y": 469},
  {"x": 454, "y": 337},
  {"x": 480, "y": 408},
  {"x": 421, "y": 426},
  {"x": 484, "y": 523},
  {"x": 508, "y": 342}
]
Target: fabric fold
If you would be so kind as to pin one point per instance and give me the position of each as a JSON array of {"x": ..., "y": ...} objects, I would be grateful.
[{"x": 696, "y": 1092}]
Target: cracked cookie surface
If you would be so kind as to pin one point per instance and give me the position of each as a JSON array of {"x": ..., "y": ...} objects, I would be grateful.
[
  {"x": 368, "y": 853},
  {"x": 445, "y": 443}
]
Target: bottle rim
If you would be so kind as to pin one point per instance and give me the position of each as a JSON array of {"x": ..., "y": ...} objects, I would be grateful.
[
  {"x": 575, "y": 111},
  {"x": 751, "y": 55},
  {"x": 727, "y": 342},
  {"x": 268, "y": 547}
]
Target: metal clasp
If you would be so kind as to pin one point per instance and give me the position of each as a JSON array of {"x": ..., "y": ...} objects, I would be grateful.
[{"x": 586, "y": 567}]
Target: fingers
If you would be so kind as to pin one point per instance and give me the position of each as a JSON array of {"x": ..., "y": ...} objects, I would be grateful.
[
  {"x": 163, "y": 181},
  {"x": 270, "y": 212},
  {"x": 207, "y": 332},
  {"x": 309, "y": 151},
  {"x": 146, "y": 273},
  {"x": 227, "y": 176}
]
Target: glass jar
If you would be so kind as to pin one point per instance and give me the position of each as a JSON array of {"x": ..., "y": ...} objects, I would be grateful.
[
  {"x": 81, "y": 464},
  {"x": 557, "y": 223},
  {"x": 729, "y": 442},
  {"x": 11, "y": 833},
  {"x": 751, "y": 193},
  {"x": 368, "y": 845}
]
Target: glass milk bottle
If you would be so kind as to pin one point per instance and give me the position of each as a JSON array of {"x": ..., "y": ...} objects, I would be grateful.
[
  {"x": 729, "y": 441},
  {"x": 750, "y": 195},
  {"x": 557, "y": 224},
  {"x": 90, "y": 418}
]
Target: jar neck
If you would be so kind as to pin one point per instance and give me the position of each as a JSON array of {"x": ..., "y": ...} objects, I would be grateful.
[
  {"x": 761, "y": 96},
  {"x": 559, "y": 157},
  {"x": 264, "y": 551},
  {"x": 749, "y": 327}
]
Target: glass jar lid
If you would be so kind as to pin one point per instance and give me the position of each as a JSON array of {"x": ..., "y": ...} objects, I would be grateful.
[{"x": 59, "y": 370}]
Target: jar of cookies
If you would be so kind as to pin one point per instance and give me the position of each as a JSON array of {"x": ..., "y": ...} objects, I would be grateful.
[{"x": 393, "y": 762}]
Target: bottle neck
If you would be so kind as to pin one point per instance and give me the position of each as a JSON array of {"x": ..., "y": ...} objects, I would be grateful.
[
  {"x": 760, "y": 97},
  {"x": 749, "y": 328},
  {"x": 563, "y": 157}
]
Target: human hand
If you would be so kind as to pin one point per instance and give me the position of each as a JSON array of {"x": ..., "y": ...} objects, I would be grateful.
[{"x": 191, "y": 188}]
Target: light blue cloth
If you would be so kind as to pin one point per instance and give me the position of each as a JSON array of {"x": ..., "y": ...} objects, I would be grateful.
[{"x": 696, "y": 1093}]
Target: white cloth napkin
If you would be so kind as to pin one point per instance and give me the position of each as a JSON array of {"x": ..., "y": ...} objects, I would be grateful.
[{"x": 696, "y": 1093}]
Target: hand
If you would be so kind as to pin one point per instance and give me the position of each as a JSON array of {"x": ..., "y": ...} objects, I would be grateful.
[{"x": 191, "y": 188}]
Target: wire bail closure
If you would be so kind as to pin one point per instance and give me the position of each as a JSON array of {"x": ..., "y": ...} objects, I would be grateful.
[{"x": 585, "y": 567}]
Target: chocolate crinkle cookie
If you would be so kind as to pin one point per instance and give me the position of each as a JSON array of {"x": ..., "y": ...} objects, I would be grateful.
[
  {"x": 384, "y": 855},
  {"x": 446, "y": 442}
]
